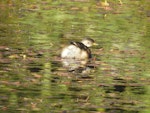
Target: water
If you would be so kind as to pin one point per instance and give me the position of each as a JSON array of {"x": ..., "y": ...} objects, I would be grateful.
[{"x": 32, "y": 78}]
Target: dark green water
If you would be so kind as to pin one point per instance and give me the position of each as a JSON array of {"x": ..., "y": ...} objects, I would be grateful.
[{"x": 32, "y": 78}]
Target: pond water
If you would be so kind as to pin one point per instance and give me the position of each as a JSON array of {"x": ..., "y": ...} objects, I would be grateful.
[{"x": 32, "y": 77}]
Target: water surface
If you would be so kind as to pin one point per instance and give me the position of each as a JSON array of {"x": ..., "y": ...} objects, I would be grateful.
[{"x": 32, "y": 78}]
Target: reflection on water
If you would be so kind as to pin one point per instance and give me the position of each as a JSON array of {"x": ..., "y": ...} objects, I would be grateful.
[
  {"x": 120, "y": 96},
  {"x": 33, "y": 78},
  {"x": 74, "y": 64}
]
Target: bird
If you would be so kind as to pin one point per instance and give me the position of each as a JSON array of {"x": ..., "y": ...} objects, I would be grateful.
[{"x": 78, "y": 50}]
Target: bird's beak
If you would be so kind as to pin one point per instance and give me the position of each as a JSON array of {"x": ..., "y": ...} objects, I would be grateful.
[{"x": 95, "y": 44}]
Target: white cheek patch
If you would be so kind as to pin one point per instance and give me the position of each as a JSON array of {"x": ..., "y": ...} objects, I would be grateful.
[{"x": 87, "y": 43}]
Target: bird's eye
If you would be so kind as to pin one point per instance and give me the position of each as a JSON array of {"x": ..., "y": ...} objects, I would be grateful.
[{"x": 89, "y": 43}]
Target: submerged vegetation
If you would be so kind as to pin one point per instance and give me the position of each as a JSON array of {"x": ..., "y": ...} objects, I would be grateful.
[{"x": 32, "y": 77}]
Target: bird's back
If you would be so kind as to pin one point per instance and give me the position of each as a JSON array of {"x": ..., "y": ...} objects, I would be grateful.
[{"x": 76, "y": 50}]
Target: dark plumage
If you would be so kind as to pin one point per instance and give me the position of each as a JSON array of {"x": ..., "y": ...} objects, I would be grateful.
[
  {"x": 82, "y": 47},
  {"x": 78, "y": 50}
]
